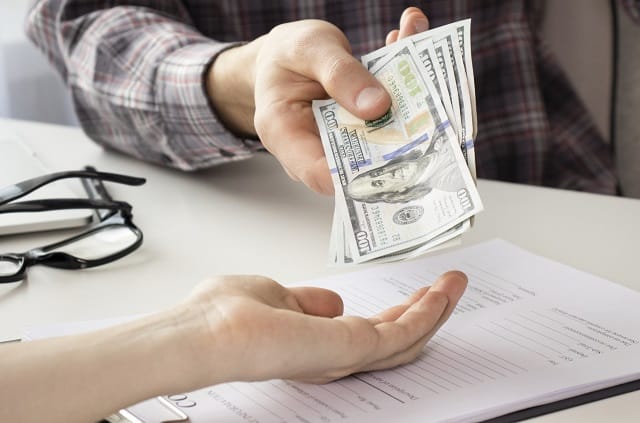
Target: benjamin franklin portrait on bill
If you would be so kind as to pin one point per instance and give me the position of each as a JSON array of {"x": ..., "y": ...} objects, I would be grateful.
[{"x": 410, "y": 176}]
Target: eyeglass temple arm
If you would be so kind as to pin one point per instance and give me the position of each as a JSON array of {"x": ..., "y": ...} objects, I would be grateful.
[
  {"x": 13, "y": 192},
  {"x": 94, "y": 188},
  {"x": 64, "y": 203}
]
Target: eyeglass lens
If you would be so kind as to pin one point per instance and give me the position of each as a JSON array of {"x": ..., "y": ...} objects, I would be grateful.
[
  {"x": 10, "y": 266},
  {"x": 101, "y": 243}
]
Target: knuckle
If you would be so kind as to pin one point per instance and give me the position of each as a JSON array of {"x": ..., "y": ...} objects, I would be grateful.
[
  {"x": 268, "y": 127},
  {"x": 298, "y": 39},
  {"x": 308, "y": 33},
  {"x": 303, "y": 41},
  {"x": 262, "y": 280},
  {"x": 338, "y": 67},
  {"x": 267, "y": 118},
  {"x": 260, "y": 122},
  {"x": 308, "y": 177},
  {"x": 439, "y": 299}
]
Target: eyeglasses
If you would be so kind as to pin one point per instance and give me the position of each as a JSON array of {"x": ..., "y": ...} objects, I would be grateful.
[{"x": 112, "y": 237}]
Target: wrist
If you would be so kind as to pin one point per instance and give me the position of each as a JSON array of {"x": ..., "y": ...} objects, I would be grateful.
[
  {"x": 95, "y": 374},
  {"x": 230, "y": 88},
  {"x": 176, "y": 349}
]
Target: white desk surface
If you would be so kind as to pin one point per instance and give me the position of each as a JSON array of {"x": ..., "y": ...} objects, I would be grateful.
[{"x": 249, "y": 218}]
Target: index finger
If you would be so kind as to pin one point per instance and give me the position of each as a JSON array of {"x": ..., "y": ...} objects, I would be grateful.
[
  {"x": 329, "y": 61},
  {"x": 298, "y": 147},
  {"x": 424, "y": 316}
]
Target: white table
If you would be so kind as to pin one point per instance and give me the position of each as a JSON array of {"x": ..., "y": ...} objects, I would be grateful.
[{"x": 248, "y": 217}]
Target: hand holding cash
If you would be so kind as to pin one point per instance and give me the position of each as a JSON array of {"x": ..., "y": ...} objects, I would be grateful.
[{"x": 405, "y": 182}]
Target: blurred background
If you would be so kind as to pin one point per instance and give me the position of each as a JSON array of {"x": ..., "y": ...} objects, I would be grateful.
[
  {"x": 29, "y": 88},
  {"x": 595, "y": 42}
]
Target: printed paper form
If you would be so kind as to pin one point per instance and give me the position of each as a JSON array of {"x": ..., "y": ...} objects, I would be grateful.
[{"x": 527, "y": 331}]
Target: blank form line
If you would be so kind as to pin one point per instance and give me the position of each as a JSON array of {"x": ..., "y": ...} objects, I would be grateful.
[
  {"x": 525, "y": 337},
  {"x": 513, "y": 342},
  {"x": 341, "y": 383},
  {"x": 431, "y": 358},
  {"x": 253, "y": 399},
  {"x": 475, "y": 357},
  {"x": 490, "y": 287},
  {"x": 293, "y": 397},
  {"x": 433, "y": 373},
  {"x": 536, "y": 332},
  {"x": 549, "y": 327},
  {"x": 562, "y": 324},
  {"x": 294, "y": 412},
  {"x": 447, "y": 370},
  {"x": 464, "y": 357},
  {"x": 324, "y": 388},
  {"x": 457, "y": 365},
  {"x": 401, "y": 371},
  {"x": 463, "y": 341},
  {"x": 377, "y": 388},
  {"x": 402, "y": 284},
  {"x": 486, "y": 272}
]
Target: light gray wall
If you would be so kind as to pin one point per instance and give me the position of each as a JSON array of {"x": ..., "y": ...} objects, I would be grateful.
[
  {"x": 580, "y": 34},
  {"x": 29, "y": 87},
  {"x": 627, "y": 120}
]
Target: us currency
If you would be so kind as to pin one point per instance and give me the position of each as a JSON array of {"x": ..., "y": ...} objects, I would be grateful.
[
  {"x": 452, "y": 49},
  {"x": 461, "y": 30},
  {"x": 402, "y": 183},
  {"x": 448, "y": 65},
  {"x": 457, "y": 36},
  {"x": 439, "y": 69},
  {"x": 434, "y": 69},
  {"x": 452, "y": 70},
  {"x": 457, "y": 39}
]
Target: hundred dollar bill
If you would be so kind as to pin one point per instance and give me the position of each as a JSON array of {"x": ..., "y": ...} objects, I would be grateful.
[
  {"x": 445, "y": 65},
  {"x": 447, "y": 58},
  {"x": 461, "y": 31},
  {"x": 455, "y": 39},
  {"x": 458, "y": 84},
  {"x": 434, "y": 70},
  {"x": 401, "y": 180}
]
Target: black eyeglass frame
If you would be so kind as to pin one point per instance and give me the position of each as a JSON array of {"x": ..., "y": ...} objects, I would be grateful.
[
  {"x": 110, "y": 212},
  {"x": 99, "y": 198}
]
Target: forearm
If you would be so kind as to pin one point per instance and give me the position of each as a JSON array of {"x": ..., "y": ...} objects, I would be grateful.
[
  {"x": 86, "y": 377},
  {"x": 137, "y": 78},
  {"x": 230, "y": 86}
]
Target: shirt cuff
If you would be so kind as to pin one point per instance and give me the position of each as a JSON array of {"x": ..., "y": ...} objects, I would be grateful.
[{"x": 195, "y": 136}]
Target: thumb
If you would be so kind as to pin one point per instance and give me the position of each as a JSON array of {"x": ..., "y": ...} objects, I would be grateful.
[{"x": 347, "y": 81}]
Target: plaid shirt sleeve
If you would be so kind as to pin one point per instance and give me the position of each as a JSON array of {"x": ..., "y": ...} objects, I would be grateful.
[
  {"x": 137, "y": 78},
  {"x": 632, "y": 7},
  {"x": 136, "y": 68}
]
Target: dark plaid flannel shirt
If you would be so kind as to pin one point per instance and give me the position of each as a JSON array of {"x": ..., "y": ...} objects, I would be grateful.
[{"x": 135, "y": 70}]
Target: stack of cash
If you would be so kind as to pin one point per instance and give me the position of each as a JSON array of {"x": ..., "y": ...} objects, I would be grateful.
[{"x": 405, "y": 183}]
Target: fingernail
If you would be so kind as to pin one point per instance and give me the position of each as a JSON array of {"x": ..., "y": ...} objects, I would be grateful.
[
  {"x": 452, "y": 275},
  {"x": 421, "y": 25},
  {"x": 369, "y": 97}
]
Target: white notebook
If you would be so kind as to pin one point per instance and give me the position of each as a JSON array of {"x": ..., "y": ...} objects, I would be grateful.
[
  {"x": 18, "y": 163},
  {"x": 529, "y": 334}
]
